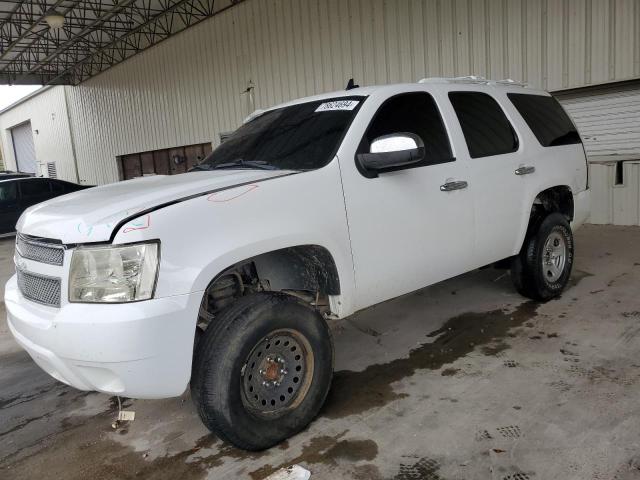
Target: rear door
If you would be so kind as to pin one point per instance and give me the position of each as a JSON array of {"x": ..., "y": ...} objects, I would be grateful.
[
  {"x": 493, "y": 157},
  {"x": 557, "y": 150},
  {"x": 9, "y": 208}
]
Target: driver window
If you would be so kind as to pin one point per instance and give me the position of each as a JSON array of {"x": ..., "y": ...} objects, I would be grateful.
[{"x": 415, "y": 113}]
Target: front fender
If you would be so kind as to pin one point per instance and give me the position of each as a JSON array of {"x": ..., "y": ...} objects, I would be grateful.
[{"x": 203, "y": 236}]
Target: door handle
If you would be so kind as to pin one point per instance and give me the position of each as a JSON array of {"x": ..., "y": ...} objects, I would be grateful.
[
  {"x": 456, "y": 185},
  {"x": 526, "y": 170}
]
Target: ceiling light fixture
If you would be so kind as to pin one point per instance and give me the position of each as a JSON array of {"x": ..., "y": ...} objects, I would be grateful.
[{"x": 54, "y": 19}]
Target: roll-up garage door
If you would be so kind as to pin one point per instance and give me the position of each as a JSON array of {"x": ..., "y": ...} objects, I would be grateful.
[
  {"x": 23, "y": 147},
  {"x": 607, "y": 116}
]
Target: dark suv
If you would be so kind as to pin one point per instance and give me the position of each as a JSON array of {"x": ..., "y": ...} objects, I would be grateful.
[{"x": 18, "y": 194}]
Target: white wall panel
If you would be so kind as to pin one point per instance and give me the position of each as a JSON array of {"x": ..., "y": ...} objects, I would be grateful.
[
  {"x": 611, "y": 203},
  {"x": 52, "y": 142},
  {"x": 601, "y": 181},
  {"x": 188, "y": 89}
]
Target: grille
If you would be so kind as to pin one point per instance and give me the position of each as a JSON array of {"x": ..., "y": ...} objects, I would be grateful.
[
  {"x": 40, "y": 251},
  {"x": 45, "y": 290}
]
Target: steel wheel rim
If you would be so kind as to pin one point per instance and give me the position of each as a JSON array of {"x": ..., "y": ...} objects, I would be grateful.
[
  {"x": 277, "y": 373},
  {"x": 554, "y": 257}
]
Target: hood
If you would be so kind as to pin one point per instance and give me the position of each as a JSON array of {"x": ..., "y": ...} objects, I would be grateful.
[{"x": 91, "y": 215}]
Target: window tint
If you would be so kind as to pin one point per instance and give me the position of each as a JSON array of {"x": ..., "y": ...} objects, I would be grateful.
[
  {"x": 36, "y": 187},
  {"x": 415, "y": 113},
  {"x": 71, "y": 187},
  {"x": 546, "y": 118},
  {"x": 304, "y": 136},
  {"x": 484, "y": 125},
  {"x": 8, "y": 191},
  {"x": 57, "y": 187}
]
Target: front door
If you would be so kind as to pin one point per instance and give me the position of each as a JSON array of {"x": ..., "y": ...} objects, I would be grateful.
[{"x": 410, "y": 227}]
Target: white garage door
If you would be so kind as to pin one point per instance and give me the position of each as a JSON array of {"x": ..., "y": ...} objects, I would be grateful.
[
  {"x": 23, "y": 147},
  {"x": 608, "y": 117}
]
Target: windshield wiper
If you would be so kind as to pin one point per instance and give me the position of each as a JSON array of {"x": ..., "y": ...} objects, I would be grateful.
[
  {"x": 201, "y": 167},
  {"x": 259, "y": 164}
]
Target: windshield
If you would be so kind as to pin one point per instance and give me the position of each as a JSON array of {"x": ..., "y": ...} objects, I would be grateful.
[{"x": 300, "y": 137}]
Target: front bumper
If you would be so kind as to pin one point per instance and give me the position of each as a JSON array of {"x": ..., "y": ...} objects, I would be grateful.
[{"x": 139, "y": 350}]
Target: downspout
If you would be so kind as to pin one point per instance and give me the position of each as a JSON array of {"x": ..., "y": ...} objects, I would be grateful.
[{"x": 73, "y": 141}]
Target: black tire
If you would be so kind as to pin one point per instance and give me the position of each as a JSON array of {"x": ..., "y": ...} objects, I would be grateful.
[
  {"x": 219, "y": 384},
  {"x": 530, "y": 275}
]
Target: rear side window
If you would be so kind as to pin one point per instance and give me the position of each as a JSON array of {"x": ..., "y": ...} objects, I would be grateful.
[
  {"x": 546, "y": 118},
  {"x": 8, "y": 191},
  {"x": 415, "y": 113},
  {"x": 57, "y": 187},
  {"x": 486, "y": 128},
  {"x": 35, "y": 187}
]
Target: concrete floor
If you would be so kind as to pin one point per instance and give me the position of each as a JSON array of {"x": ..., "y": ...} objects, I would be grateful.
[{"x": 465, "y": 379}]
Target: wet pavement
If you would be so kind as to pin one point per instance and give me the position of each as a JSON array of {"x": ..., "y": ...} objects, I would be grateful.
[{"x": 465, "y": 379}]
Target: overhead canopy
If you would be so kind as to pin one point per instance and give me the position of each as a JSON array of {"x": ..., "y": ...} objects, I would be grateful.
[{"x": 46, "y": 42}]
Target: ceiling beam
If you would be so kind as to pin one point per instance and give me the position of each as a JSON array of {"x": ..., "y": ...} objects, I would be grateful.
[{"x": 97, "y": 35}]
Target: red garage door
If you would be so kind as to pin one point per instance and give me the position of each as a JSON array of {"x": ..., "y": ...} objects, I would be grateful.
[{"x": 168, "y": 161}]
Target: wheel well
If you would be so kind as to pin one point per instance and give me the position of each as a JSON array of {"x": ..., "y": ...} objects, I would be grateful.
[
  {"x": 554, "y": 199},
  {"x": 307, "y": 271}
]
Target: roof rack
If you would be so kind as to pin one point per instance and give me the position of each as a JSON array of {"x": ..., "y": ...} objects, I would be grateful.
[{"x": 473, "y": 79}]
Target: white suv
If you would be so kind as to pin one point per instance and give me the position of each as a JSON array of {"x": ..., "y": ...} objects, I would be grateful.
[{"x": 224, "y": 277}]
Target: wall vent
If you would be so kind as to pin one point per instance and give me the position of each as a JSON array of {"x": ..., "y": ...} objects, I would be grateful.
[{"x": 51, "y": 170}]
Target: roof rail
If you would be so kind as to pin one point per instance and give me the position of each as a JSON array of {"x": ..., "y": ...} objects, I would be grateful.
[
  {"x": 509, "y": 81},
  {"x": 473, "y": 79}
]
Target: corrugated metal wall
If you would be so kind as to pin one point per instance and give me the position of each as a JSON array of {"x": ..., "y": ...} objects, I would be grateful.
[
  {"x": 187, "y": 90},
  {"x": 612, "y": 203},
  {"x": 608, "y": 117},
  {"x": 48, "y": 116}
]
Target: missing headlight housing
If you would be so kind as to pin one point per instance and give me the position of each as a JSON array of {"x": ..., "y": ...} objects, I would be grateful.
[{"x": 114, "y": 274}]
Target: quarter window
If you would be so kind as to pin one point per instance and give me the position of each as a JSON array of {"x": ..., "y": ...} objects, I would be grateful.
[
  {"x": 57, "y": 187},
  {"x": 415, "y": 113},
  {"x": 486, "y": 128},
  {"x": 8, "y": 191},
  {"x": 546, "y": 118},
  {"x": 34, "y": 187}
]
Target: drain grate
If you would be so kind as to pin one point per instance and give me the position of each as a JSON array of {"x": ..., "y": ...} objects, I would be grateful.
[
  {"x": 517, "y": 476},
  {"x": 423, "y": 469},
  {"x": 510, "y": 431},
  {"x": 483, "y": 435},
  {"x": 510, "y": 363}
]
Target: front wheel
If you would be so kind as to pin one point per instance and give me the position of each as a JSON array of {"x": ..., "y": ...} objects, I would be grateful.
[
  {"x": 542, "y": 268},
  {"x": 262, "y": 370}
]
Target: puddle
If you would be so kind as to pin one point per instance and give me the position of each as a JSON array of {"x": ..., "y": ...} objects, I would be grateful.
[
  {"x": 327, "y": 450},
  {"x": 356, "y": 392}
]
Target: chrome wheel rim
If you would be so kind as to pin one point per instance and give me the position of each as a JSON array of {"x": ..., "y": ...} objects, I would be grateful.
[
  {"x": 554, "y": 257},
  {"x": 277, "y": 373}
]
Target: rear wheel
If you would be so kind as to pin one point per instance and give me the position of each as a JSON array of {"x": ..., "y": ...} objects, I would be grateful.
[
  {"x": 542, "y": 268},
  {"x": 262, "y": 370}
]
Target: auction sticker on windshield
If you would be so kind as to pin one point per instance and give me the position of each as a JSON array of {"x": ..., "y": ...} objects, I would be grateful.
[{"x": 337, "y": 105}]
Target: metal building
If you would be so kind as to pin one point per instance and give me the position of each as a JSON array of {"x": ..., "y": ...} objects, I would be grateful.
[{"x": 152, "y": 101}]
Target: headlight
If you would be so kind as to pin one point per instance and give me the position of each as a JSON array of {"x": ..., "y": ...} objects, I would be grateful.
[{"x": 113, "y": 274}]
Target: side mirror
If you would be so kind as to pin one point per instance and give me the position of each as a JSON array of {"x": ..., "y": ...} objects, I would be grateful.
[{"x": 393, "y": 151}]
